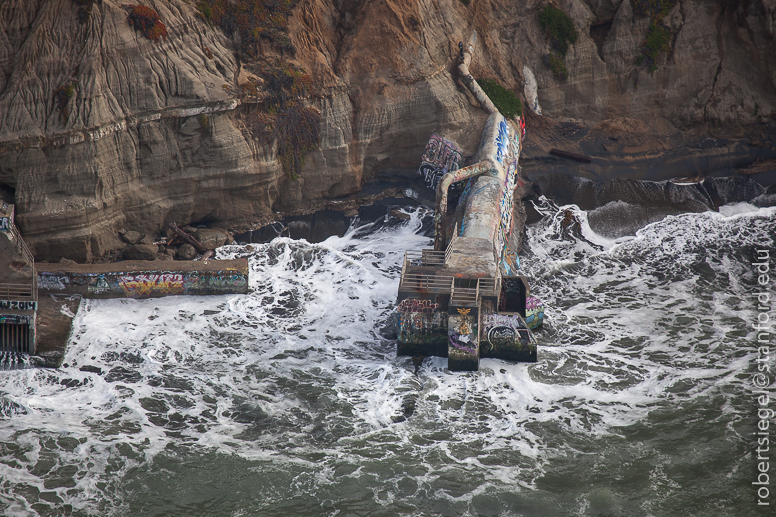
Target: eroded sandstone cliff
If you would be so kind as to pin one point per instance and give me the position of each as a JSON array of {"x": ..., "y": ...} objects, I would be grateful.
[{"x": 157, "y": 131}]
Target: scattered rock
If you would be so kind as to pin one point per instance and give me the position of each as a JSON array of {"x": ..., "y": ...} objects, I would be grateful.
[
  {"x": 64, "y": 260},
  {"x": 229, "y": 238},
  {"x": 351, "y": 213},
  {"x": 141, "y": 252},
  {"x": 399, "y": 214},
  {"x": 187, "y": 252},
  {"x": 212, "y": 238},
  {"x": 248, "y": 248},
  {"x": 131, "y": 237},
  {"x": 146, "y": 239}
]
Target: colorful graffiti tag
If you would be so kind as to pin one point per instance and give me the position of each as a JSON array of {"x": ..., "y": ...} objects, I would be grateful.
[
  {"x": 415, "y": 305},
  {"x": 5, "y": 224},
  {"x": 534, "y": 312},
  {"x": 420, "y": 321},
  {"x": 100, "y": 286},
  {"x": 440, "y": 157},
  {"x": 508, "y": 153},
  {"x": 464, "y": 332},
  {"x": 152, "y": 284},
  {"x": 147, "y": 284},
  {"x": 12, "y": 319}
]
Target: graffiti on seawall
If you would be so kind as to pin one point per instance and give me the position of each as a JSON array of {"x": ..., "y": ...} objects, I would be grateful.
[
  {"x": 501, "y": 331},
  {"x": 147, "y": 284},
  {"x": 151, "y": 284},
  {"x": 12, "y": 319},
  {"x": 440, "y": 157},
  {"x": 49, "y": 282},
  {"x": 509, "y": 152},
  {"x": 18, "y": 305},
  {"x": 463, "y": 332}
]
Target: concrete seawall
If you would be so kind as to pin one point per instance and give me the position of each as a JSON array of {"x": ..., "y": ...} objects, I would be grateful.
[{"x": 141, "y": 279}]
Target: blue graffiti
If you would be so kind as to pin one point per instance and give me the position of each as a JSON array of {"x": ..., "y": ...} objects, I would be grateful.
[{"x": 502, "y": 141}]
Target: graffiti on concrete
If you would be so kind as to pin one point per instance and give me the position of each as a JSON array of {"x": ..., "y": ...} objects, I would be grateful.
[
  {"x": 121, "y": 284},
  {"x": 226, "y": 280},
  {"x": 502, "y": 141},
  {"x": 422, "y": 327},
  {"x": 440, "y": 157},
  {"x": 506, "y": 331},
  {"x": 415, "y": 305},
  {"x": 534, "y": 312},
  {"x": 49, "y": 282},
  {"x": 13, "y": 319},
  {"x": 511, "y": 145},
  {"x": 99, "y": 286},
  {"x": 463, "y": 332},
  {"x": 151, "y": 284},
  {"x": 5, "y": 223},
  {"x": 18, "y": 305}
]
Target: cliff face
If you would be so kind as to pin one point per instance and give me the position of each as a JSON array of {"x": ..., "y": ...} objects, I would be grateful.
[{"x": 102, "y": 128}]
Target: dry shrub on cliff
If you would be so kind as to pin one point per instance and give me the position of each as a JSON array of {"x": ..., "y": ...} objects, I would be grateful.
[
  {"x": 294, "y": 126},
  {"x": 285, "y": 82},
  {"x": 252, "y": 20},
  {"x": 62, "y": 97},
  {"x": 147, "y": 21},
  {"x": 85, "y": 10}
]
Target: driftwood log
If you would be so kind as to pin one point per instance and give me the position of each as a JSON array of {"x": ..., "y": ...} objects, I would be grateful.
[
  {"x": 188, "y": 238},
  {"x": 571, "y": 156}
]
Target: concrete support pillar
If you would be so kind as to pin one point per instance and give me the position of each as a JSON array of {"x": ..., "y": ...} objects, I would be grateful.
[{"x": 463, "y": 349}]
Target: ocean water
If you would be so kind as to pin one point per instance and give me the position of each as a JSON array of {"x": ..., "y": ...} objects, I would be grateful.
[{"x": 290, "y": 401}]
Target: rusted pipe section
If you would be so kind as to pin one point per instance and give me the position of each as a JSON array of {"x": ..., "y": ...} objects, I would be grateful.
[
  {"x": 448, "y": 179},
  {"x": 466, "y": 77}
]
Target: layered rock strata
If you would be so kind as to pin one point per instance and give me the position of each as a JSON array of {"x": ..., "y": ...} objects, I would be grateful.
[{"x": 156, "y": 131}]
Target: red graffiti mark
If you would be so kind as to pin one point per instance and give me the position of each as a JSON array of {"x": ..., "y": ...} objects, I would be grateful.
[{"x": 415, "y": 305}]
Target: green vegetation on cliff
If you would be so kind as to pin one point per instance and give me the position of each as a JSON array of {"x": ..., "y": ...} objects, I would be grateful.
[
  {"x": 505, "y": 100},
  {"x": 559, "y": 28},
  {"x": 658, "y": 38},
  {"x": 560, "y": 31}
]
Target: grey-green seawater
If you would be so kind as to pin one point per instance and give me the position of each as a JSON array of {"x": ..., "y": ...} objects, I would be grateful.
[{"x": 290, "y": 401}]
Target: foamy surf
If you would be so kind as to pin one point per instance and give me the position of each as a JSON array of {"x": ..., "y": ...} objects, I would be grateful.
[{"x": 290, "y": 400}]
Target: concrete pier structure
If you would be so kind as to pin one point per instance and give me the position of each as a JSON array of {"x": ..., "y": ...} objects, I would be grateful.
[
  {"x": 26, "y": 321},
  {"x": 465, "y": 298},
  {"x": 145, "y": 279},
  {"x": 18, "y": 289}
]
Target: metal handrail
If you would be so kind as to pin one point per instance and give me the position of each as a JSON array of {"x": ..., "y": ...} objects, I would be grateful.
[
  {"x": 426, "y": 257},
  {"x": 17, "y": 292},
  {"x": 423, "y": 282},
  {"x": 22, "y": 291},
  {"x": 17, "y": 239},
  {"x": 449, "y": 250}
]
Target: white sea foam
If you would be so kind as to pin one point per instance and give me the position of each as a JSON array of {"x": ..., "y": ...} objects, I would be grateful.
[{"x": 297, "y": 376}]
